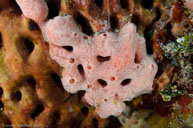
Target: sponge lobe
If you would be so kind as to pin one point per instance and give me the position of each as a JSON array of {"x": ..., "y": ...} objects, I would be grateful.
[
  {"x": 36, "y": 10},
  {"x": 189, "y": 4},
  {"x": 114, "y": 66}
]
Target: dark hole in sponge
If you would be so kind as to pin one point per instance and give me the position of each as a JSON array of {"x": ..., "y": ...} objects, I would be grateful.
[
  {"x": 33, "y": 26},
  {"x": 14, "y": 7},
  {"x": 56, "y": 78},
  {"x": 124, "y": 4},
  {"x": 1, "y": 106},
  {"x": 84, "y": 111},
  {"x": 191, "y": 59},
  {"x": 39, "y": 108},
  {"x": 31, "y": 81},
  {"x": 102, "y": 82},
  {"x": 54, "y": 8},
  {"x": 99, "y": 3},
  {"x": 1, "y": 92},
  {"x": 18, "y": 95},
  {"x": 158, "y": 14},
  {"x": 81, "y": 70},
  {"x": 147, "y": 3},
  {"x": 114, "y": 22},
  {"x": 125, "y": 82},
  {"x": 75, "y": 122},
  {"x": 80, "y": 94},
  {"x": 103, "y": 58},
  {"x": 135, "y": 19},
  {"x": 68, "y": 48},
  {"x": 168, "y": 27},
  {"x": 7, "y": 123},
  {"x": 25, "y": 47},
  {"x": 169, "y": 30},
  {"x": 1, "y": 41},
  {"x": 84, "y": 23},
  {"x": 148, "y": 34},
  {"x": 95, "y": 123},
  {"x": 113, "y": 122},
  {"x": 54, "y": 119},
  {"x": 56, "y": 115}
]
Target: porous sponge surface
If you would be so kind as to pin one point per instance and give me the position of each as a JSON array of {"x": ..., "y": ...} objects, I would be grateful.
[
  {"x": 189, "y": 4},
  {"x": 111, "y": 67}
]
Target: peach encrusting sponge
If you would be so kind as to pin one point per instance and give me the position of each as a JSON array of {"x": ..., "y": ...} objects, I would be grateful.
[{"x": 110, "y": 67}]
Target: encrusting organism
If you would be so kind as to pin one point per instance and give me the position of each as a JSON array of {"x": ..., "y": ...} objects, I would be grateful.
[
  {"x": 189, "y": 4},
  {"x": 110, "y": 67}
]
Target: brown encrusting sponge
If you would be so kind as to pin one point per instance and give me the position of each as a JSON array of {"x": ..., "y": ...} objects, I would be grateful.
[{"x": 111, "y": 67}]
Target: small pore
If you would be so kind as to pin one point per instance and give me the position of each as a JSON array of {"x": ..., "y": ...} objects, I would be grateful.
[
  {"x": 104, "y": 34},
  {"x": 89, "y": 67},
  {"x": 72, "y": 60},
  {"x": 152, "y": 65},
  {"x": 85, "y": 37},
  {"x": 116, "y": 96},
  {"x": 89, "y": 86},
  {"x": 112, "y": 78},
  {"x": 71, "y": 81},
  {"x": 68, "y": 48},
  {"x": 103, "y": 58},
  {"x": 102, "y": 82},
  {"x": 39, "y": 108},
  {"x": 75, "y": 34},
  {"x": 126, "y": 82}
]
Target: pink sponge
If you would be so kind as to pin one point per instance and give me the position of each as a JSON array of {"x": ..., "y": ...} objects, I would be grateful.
[
  {"x": 36, "y": 10},
  {"x": 189, "y": 4},
  {"x": 111, "y": 67}
]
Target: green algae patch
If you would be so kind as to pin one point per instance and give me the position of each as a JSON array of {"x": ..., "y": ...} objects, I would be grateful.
[{"x": 170, "y": 92}]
